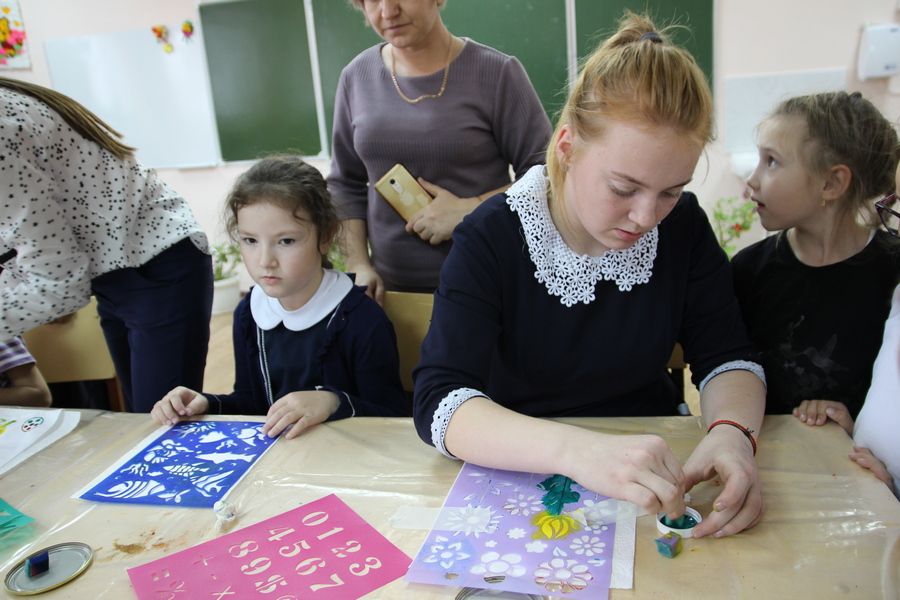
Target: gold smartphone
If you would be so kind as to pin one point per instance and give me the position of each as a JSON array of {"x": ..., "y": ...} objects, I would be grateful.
[{"x": 402, "y": 191}]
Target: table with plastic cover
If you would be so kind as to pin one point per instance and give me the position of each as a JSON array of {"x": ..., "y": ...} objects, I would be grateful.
[{"x": 831, "y": 530}]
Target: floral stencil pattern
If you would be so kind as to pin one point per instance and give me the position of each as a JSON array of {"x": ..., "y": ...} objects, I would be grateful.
[
  {"x": 512, "y": 541},
  {"x": 587, "y": 545},
  {"x": 472, "y": 520},
  {"x": 446, "y": 553},
  {"x": 560, "y": 575},
  {"x": 524, "y": 504},
  {"x": 492, "y": 564}
]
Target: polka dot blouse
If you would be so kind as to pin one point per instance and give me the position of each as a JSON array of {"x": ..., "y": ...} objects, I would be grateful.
[{"x": 72, "y": 211}]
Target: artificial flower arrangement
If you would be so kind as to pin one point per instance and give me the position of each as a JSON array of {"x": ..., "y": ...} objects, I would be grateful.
[{"x": 732, "y": 217}]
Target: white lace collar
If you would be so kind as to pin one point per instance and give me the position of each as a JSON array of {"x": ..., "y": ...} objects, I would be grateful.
[
  {"x": 570, "y": 276},
  {"x": 268, "y": 312}
]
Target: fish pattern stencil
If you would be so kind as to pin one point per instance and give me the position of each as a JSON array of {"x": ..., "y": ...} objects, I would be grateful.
[{"x": 192, "y": 464}]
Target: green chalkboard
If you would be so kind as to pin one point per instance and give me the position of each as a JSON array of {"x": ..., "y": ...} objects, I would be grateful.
[
  {"x": 259, "y": 61},
  {"x": 261, "y": 78},
  {"x": 341, "y": 34},
  {"x": 534, "y": 31},
  {"x": 595, "y": 20}
]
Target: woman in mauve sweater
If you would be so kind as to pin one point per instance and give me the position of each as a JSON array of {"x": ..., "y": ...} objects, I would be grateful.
[{"x": 457, "y": 114}]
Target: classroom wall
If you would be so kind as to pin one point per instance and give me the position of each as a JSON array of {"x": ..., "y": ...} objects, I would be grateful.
[
  {"x": 204, "y": 188},
  {"x": 771, "y": 36},
  {"x": 763, "y": 36}
]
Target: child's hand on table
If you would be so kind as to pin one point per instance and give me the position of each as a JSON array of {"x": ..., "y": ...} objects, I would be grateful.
[
  {"x": 299, "y": 411},
  {"x": 180, "y": 403},
  {"x": 864, "y": 458},
  {"x": 818, "y": 412}
]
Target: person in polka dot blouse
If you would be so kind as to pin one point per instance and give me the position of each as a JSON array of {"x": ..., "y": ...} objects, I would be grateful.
[{"x": 83, "y": 217}]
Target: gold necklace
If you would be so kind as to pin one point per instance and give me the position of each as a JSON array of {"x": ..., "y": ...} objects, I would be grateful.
[{"x": 439, "y": 93}]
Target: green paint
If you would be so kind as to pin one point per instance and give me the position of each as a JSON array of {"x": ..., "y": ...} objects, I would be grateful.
[
  {"x": 683, "y": 522},
  {"x": 559, "y": 493}
]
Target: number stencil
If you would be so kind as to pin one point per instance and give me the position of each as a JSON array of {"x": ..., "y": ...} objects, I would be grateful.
[{"x": 320, "y": 550}]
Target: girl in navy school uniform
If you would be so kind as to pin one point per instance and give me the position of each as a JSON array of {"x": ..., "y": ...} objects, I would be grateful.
[
  {"x": 309, "y": 346},
  {"x": 564, "y": 296},
  {"x": 815, "y": 296}
]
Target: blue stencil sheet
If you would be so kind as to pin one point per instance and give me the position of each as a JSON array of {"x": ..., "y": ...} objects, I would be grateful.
[{"x": 193, "y": 464}]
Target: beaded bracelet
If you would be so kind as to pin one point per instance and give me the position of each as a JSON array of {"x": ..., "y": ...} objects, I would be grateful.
[{"x": 744, "y": 430}]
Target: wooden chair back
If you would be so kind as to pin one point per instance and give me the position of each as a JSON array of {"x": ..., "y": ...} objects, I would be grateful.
[
  {"x": 410, "y": 312},
  {"x": 75, "y": 350},
  {"x": 676, "y": 368}
]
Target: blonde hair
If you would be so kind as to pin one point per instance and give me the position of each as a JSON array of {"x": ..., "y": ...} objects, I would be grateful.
[
  {"x": 79, "y": 118},
  {"x": 638, "y": 76}
]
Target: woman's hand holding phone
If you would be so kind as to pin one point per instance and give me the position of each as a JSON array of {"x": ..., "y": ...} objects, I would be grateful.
[{"x": 436, "y": 221}]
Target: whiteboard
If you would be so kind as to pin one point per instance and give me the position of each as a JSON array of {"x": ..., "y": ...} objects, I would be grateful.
[
  {"x": 749, "y": 99},
  {"x": 160, "y": 102}
]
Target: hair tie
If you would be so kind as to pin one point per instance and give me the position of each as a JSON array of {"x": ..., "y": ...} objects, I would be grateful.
[{"x": 652, "y": 36}]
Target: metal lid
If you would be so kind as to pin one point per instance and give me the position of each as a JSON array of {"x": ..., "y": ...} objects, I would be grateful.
[
  {"x": 67, "y": 561},
  {"x": 471, "y": 592}
]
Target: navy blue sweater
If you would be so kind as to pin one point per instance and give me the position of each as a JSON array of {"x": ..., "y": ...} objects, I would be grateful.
[
  {"x": 496, "y": 329},
  {"x": 358, "y": 357}
]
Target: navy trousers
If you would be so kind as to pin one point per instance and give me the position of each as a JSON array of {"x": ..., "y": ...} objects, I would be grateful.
[{"x": 155, "y": 319}]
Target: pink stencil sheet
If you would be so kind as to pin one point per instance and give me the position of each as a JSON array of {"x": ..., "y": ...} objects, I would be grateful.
[{"x": 320, "y": 550}]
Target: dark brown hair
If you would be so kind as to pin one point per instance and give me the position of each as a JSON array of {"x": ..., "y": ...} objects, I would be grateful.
[
  {"x": 86, "y": 123},
  {"x": 290, "y": 183}
]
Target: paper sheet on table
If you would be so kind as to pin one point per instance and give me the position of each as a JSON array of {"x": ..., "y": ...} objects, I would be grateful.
[
  {"x": 26, "y": 431},
  {"x": 497, "y": 531}
]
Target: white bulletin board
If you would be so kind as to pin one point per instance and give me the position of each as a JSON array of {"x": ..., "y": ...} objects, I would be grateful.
[
  {"x": 159, "y": 101},
  {"x": 751, "y": 98}
]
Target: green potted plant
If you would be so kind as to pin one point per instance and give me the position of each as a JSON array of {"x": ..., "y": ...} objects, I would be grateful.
[
  {"x": 226, "y": 283},
  {"x": 732, "y": 217}
]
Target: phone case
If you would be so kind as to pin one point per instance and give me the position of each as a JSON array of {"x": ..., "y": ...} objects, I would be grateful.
[{"x": 402, "y": 191}]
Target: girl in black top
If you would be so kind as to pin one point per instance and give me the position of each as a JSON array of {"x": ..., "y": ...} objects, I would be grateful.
[{"x": 816, "y": 295}]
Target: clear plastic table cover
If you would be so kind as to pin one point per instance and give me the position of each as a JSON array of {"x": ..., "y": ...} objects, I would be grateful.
[{"x": 830, "y": 528}]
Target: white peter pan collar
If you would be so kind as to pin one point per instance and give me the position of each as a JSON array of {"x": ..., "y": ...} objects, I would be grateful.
[
  {"x": 570, "y": 276},
  {"x": 268, "y": 312}
]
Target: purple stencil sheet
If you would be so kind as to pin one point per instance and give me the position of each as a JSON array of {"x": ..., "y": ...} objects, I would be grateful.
[
  {"x": 493, "y": 532},
  {"x": 191, "y": 464}
]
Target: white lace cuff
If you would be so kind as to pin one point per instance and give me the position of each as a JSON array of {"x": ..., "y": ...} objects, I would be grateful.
[
  {"x": 735, "y": 365},
  {"x": 444, "y": 411}
]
